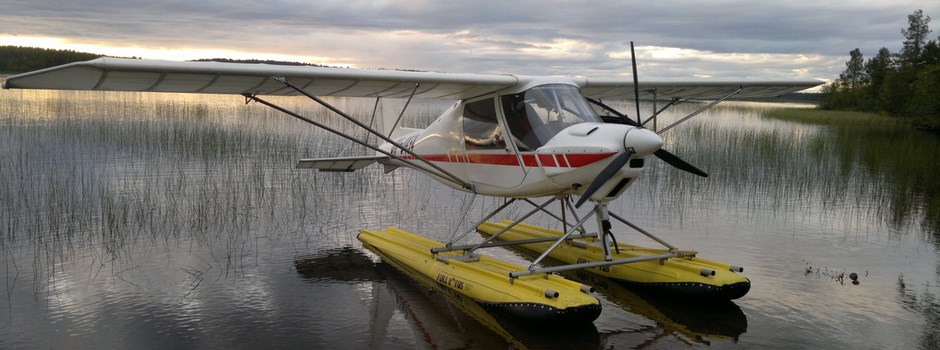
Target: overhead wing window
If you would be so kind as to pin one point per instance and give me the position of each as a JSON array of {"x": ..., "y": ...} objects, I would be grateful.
[
  {"x": 538, "y": 114},
  {"x": 480, "y": 127}
]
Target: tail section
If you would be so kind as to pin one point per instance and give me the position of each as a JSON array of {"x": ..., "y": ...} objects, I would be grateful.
[{"x": 386, "y": 118}]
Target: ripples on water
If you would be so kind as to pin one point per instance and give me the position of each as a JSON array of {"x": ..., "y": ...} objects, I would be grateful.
[{"x": 152, "y": 220}]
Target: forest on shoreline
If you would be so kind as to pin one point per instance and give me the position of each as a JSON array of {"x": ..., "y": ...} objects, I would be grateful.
[
  {"x": 904, "y": 84},
  {"x": 18, "y": 59}
]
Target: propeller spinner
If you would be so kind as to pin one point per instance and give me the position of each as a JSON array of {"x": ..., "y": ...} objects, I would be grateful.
[{"x": 637, "y": 141}]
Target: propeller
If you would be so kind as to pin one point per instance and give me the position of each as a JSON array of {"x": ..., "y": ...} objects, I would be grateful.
[
  {"x": 624, "y": 157},
  {"x": 662, "y": 154},
  {"x": 605, "y": 175}
]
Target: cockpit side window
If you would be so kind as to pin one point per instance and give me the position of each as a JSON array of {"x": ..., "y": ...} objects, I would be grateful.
[
  {"x": 538, "y": 114},
  {"x": 480, "y": 127},
  {"x": 515, "y": 110}
]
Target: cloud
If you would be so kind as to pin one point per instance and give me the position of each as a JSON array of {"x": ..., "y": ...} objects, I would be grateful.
[
  {"x": 689, "y": 62},
  {"x": 727, "y": 38}
]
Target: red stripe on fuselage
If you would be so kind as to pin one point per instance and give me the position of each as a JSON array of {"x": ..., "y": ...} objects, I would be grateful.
[
  {"x": 580, "y": 160},
  {"x": 494, "y": 159},
  {"x": 547, "y": 160},
  {"x": 529, "y": 160}
]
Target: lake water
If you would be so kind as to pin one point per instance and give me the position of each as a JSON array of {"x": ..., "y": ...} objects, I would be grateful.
[{"x": 177, "y": 221}]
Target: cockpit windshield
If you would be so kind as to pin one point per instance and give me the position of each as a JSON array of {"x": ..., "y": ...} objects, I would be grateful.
[{"x": 538, "y": 114}]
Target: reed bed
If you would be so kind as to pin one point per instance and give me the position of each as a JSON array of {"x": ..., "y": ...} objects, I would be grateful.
[
  {"x": 107, "y": 175},
  {"x": 829, "y": 173},
  {"x": 110, "y": 174}
]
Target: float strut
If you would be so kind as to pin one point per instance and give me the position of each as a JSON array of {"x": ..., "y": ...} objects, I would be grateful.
[
  {"x": 603, "y": 229},
  {"x": 557, "y": 242},
  {"x": 454, "y": 240},
  {"x": 513, "y": 224},
  {"x": 574, "y": 213},
  {"x": 516, "y": 242},
  {"x": 644, "y": 232},
  {"x": 535, "y": 271}
]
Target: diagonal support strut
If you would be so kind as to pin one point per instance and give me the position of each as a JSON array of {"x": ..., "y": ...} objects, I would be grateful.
[{"x": 348, "y": 117}]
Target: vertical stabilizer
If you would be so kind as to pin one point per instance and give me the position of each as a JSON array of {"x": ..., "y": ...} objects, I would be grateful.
[
  {"x": 387, "y": 111},
  {"x": 386, "y": 115}
]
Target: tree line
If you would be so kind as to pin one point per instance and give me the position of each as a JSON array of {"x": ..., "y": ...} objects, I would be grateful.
[
  {"x": 16, "y": 59},
  {"x": 903, "y": 84}
]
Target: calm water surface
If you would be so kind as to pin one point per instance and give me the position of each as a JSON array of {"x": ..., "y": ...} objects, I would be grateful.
[{"x": 178, "y": 221}]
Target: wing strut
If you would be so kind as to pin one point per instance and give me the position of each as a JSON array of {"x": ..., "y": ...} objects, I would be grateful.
[
  {"x": 710, "y": 105},
  {"x": 659, "y": 111},
  {"x": 250, "y": 97},
  {"x": 392, "y": 130},
  {"x": 443, "y": 173}
]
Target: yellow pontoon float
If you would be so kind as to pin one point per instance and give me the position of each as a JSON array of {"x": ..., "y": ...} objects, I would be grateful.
[
  {"x": 668, "y": 270},
  {"x": 538, "y": 299}
]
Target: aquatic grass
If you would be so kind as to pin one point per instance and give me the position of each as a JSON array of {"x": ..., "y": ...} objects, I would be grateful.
[
  {"x": 110, "y": 174},
  {"x": 105, "y": 172},
  {"x": 817, "y": 172}
]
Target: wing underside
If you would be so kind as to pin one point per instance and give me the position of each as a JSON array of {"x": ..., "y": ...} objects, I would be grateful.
[
  {"x": 697, "y": 90},
  {"x": 117, "y": 74}
]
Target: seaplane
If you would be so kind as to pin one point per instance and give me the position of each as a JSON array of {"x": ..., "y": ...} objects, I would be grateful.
[{"x": 532, "y": 140}]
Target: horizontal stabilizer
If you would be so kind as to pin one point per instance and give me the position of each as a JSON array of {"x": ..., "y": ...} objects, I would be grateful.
[{"x": 345, "y": 164}]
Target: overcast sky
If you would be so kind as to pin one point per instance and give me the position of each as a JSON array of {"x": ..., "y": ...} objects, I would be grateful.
[{"x": 725, "y": 39}]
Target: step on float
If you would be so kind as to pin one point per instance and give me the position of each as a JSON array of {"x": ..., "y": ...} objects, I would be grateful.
[
  {"x": 684, "y": 275},
  {"x": 545, "y": 299}
]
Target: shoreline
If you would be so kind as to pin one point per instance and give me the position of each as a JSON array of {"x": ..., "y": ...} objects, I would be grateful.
[{"x": 835, "y": 117}]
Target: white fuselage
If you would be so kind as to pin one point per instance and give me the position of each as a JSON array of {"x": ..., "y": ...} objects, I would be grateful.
[{"x": 543, "y": 140}]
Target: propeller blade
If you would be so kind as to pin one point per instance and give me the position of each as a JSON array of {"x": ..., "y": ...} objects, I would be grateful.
[
  {"x": 677, "y": 162},
  {"x": 620, "y": 117},
  {"x": 605, "y": 175},
  {"x": 636, "y": 84}
]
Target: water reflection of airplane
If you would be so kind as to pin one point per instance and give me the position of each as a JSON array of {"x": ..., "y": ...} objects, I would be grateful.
[
  {"x": 697, "y": 322},
  {"x": 430, "y": 312}
]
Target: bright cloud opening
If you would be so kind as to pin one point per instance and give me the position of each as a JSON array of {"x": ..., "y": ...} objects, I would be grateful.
[{"x": 174, "y": 54}]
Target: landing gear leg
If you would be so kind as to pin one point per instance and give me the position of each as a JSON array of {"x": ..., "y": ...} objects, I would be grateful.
[{"x": 603, "y": 228}]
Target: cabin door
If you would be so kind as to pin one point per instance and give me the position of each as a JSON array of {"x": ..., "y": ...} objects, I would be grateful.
[{"x": 491, "y": 159}]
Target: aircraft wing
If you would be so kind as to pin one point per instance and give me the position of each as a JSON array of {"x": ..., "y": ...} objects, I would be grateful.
[
  {"x": 117, "y": 74},
  {"x": 599, "y": 88},
  {"x": 343, "y": 164}
]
